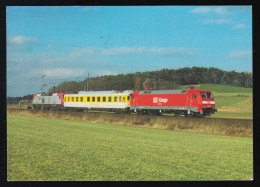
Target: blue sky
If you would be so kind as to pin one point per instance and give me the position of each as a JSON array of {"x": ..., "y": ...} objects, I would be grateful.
[{"x": 66, "y": 43}]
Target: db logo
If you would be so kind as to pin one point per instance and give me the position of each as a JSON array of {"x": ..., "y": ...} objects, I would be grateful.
[{"x": 155, "y": 100}]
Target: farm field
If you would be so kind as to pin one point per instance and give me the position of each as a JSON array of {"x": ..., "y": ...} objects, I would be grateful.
[{"x": 53, "y": 149}]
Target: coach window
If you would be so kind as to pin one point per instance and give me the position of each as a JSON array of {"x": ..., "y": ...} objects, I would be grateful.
[
  {"x": 93, "y": 99},
  {"x": 98, "y": 99},
  {"x": 72, "y": 99},
  {"x": 120, "y": 99},
  {"x": 81, "y": 99},
  {"x": 77, "y": 99},
  {"x": 128, "y": 98},
  {"x": 123, "y": 99},
  {"x": 68, "y": 99},
  {"x": 193, "y": 95},
  {"x": 115, "y": 99},
  {"x": 109, "y": 99},
  {"x": 88, "y": 99},
  {"x": 104, "y": 99}
]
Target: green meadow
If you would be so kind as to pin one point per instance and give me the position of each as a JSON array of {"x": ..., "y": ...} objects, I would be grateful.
[
  {"x": 231, "y": 101},
  {"x": 42, "y": 149}
]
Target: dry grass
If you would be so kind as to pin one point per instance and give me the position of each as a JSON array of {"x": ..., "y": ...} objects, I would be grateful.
[{"x": 230, "y": 127}]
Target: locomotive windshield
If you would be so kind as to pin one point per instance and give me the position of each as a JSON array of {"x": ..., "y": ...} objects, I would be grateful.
[{"x": 206, "y": 95}]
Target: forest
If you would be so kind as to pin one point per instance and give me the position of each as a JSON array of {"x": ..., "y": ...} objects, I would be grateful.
[{"x": 157, "y": 80}]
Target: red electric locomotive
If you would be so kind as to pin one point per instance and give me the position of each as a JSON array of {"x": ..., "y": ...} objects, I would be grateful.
[{"x": 186, "y": 102}]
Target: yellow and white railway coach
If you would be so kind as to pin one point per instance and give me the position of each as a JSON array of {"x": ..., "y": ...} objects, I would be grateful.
[{"x": 108, "y": 100}]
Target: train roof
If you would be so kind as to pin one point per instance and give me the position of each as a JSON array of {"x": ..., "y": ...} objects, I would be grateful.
[
  {"x": 112, "y": 92},
  {"x": 175, "y": 91},
  {"x": 162, "y": 91}
]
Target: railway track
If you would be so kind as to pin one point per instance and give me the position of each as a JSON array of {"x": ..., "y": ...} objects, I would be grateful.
[{"x": 223, "y": 126}]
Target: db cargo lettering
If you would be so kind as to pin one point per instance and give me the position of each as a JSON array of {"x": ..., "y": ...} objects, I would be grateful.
[
  {"x": 160, "y": 100},
  {"x": 163, "y": 100}
]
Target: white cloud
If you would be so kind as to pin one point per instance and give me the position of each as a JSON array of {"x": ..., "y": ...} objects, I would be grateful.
[
  {"x": 123, "y": 51},
  {"x": 241, "y": 54},
  {"x": 220, "y": 10},
  {"x": 172, "y": 51},
  {"x": 20, "y": 42},
  {"x": 63, "y": 72},
  {"x": 239, "y": 26},
  {"x": 224, "y": 21},
  {"x": 207, "y": 10},
  {"x": 83, "y": 51},
  {"x": 104, "y": 72},
  {"x": 149, "y": 51},
  {"x": 52, "y": 61},
  {"x": 201, "y": 10},
  {"x": 216, "y": 21}
]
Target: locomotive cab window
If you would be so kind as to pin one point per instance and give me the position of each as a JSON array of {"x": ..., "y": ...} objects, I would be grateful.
[
  {"x": 203, "y": 95},
  {"x": 209, "y": 95},
  {"x": 206, "y": 95},
  {"x": 128, "y": 98},
  {"x": 193, "y": 95}
]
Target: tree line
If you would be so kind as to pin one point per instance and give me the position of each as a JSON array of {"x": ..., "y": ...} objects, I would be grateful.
[
  {"x": 159, "y": 80},
  {"x": 15, "y": 100}
]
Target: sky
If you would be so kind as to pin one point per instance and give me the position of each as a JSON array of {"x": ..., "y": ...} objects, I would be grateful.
[{"x": 65, "y": 43}]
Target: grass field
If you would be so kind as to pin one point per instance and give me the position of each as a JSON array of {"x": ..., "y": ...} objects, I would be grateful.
[
  {"x": 53, "y": 149},
  {"x": 224, "y": 90},
  {"x": 231, "y": 101}
]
